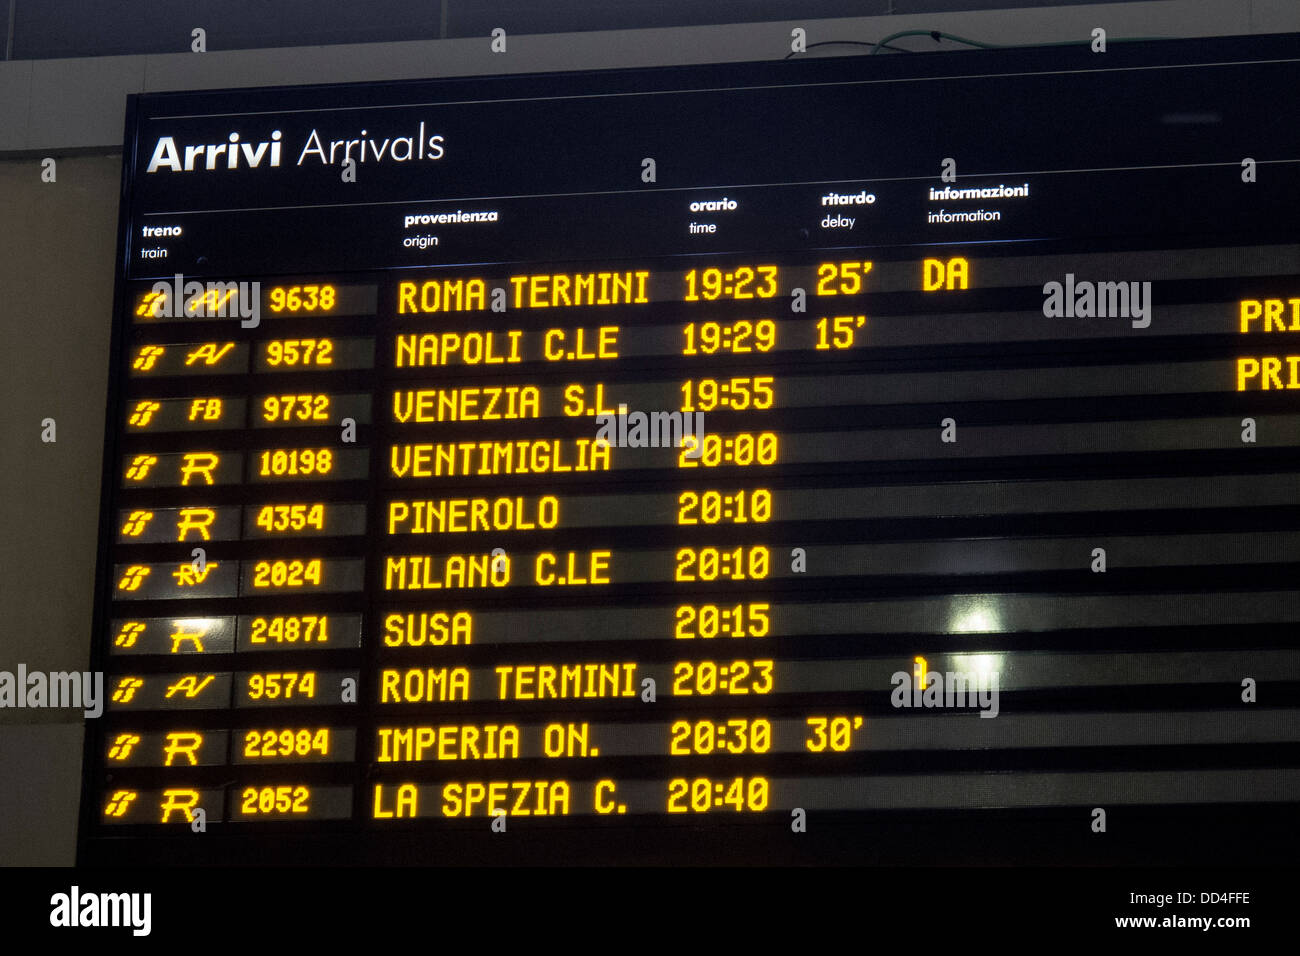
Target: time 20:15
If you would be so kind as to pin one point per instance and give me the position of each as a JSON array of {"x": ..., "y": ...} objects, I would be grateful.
[{"x": 707, "y": 621}]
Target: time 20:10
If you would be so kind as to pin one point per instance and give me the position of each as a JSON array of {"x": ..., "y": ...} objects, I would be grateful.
[{"x": 716, "y": 507}]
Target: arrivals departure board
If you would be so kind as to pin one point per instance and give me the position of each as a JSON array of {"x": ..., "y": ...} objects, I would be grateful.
[{"x": 867, "y": 458}]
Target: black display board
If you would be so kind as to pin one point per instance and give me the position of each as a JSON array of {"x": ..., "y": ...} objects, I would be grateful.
[{"x": 882, "y": 458}]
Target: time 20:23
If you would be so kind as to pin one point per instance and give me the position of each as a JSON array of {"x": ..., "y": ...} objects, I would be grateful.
[{"x": 705, "y": 678}]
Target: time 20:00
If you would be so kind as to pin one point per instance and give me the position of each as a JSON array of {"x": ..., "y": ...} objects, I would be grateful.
[{"x": 745, "y": 448}]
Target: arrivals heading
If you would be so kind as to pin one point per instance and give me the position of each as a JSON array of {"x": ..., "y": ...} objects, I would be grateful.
[{"x": 236, "y": 153}]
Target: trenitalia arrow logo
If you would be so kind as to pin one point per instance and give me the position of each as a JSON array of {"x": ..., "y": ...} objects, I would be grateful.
[{"x": 235, "y": 153}]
